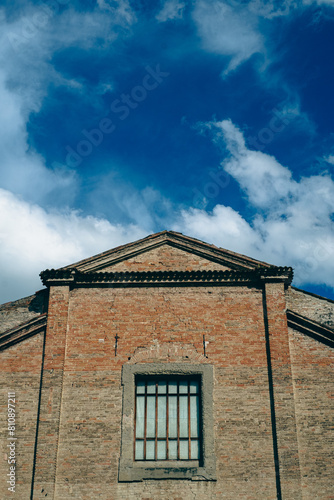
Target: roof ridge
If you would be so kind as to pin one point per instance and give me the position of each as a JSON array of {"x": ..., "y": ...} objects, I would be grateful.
[
  {"x": 313, "y": 294},
  {"x": 186, "y": 243}
]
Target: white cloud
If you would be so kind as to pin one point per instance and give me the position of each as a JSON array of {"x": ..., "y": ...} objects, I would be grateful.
[
  {"x": 119, "y": 199},
  {"x": 172, "y": 9},
  {"x": 228, "y": 31},
  {"x": 121, "y": 12},
  {"x": 260, "y": 176},
  {"x": 223, "y": 225},
  {"x": 23, "y": 170},
  {"x": 294, "y": 225},
  {"x": 235, "y": 29},
  {"x": 330, "y": 3},
  {"x": 27, "y": 45},
  {"x": 270, "y": 9},
  {"x": 330, "y": 159},
  {"x": 32, "y": 239}
]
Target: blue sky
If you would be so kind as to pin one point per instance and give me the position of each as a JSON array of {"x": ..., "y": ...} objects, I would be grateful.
[{"x": 123, "y": 118}]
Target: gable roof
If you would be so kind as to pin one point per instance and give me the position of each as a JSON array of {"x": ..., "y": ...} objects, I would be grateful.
[
  {"x": 23, "y": 331},
  {"x": 232, "y": 260},
  {"x": 312, "y": 328},
  {"x": 17, "y": 312}
]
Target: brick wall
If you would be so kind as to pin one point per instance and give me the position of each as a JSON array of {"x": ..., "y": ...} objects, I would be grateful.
[
  {"x": 313, "y": 373},
  {"x": 79, "y": 438},
  {"x": 20, "y": 372},
  {"x": 164, "y": 258},
  {"x": 91, "y": 401}
]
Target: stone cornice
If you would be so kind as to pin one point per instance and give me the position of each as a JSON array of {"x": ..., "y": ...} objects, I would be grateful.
[
  {"x": 23, "y": 331},
  {"x": 74, "y": 278}
]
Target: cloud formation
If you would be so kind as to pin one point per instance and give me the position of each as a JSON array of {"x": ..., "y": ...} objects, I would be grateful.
[
  {"x": 172, "y": 9},
  {"x": 293, "y": 224},
  {"x": 288, "y": 219},
  {"x": 27, "y": 45},
  {"x": 236, "y": 30},
  {"x": 33, "y": 239},
  {"x": 229, "y": 31}
]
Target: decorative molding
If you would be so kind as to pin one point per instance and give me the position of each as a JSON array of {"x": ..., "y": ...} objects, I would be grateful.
[
  {"x": 22, "y": 331},
  {"x": 73, "y": 277}
]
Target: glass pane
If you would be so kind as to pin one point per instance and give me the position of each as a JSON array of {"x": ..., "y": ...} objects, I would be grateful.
[
  {"x": 183, "y": 409},
  {"x": 183, "y": 387},
  {"x": 139, "y": 450},
  {"x": 150, "y": 445},
  {"x": 184, "y": 450},
  {"x": 150, "y": 387},
  {"x": 172, "y": 387},
  {"x": 172, "y": 416},
  {"x": 162, "y": 416},
  {"x": 194, "y": 416},
  {"x": 140, "y": 387},
  {"x": 150, "y": 417},
  {"x": 161, "y": 450},
  {"x": 172, "y": 450},
  {"x": 194, "y": 450},
  {"x": 140, "y": 412},
  {"x": 162, "y": 387},
  {"x": 193, "y": 386}
]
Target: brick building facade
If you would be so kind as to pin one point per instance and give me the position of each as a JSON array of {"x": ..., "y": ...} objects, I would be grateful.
[{"x": 169, "y": 335}]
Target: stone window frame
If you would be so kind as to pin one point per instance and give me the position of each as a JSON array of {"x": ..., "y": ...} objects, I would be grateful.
[{"x": 131, "y": 470}]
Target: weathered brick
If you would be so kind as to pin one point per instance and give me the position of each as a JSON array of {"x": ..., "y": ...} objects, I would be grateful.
[{"x": 265, "y": 376}]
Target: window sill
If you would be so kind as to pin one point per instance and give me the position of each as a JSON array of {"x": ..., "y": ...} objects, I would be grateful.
[{"x": 154, "y": 470}]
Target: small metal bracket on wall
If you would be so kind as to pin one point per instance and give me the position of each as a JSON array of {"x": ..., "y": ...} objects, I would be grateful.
[
  {"x": 204, "y": 346},
  {"x": 116, "y": 342}
]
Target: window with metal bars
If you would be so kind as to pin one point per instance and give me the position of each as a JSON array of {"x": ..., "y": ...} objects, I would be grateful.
[{"x": 167, "y": 419}]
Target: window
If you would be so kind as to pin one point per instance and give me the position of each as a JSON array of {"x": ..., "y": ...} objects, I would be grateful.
[
  {"x": 167, "y": 419},
  {"x": 167, "y": 422}
]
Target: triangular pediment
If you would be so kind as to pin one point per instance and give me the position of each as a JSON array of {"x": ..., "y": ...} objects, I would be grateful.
[{"x": 167, "y": 251}]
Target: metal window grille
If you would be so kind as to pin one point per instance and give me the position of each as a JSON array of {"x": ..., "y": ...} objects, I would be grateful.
[{"x": 167, "y": 419}]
